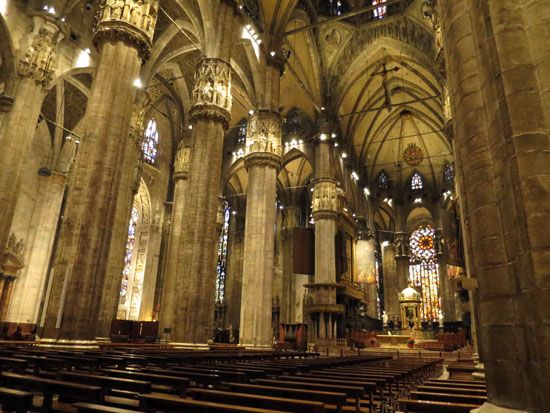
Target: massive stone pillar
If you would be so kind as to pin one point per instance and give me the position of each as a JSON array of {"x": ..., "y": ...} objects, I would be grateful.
[
  {"x": 233, "y": 282},
  {"x": 30, "y": 282},
  {"x": 324, "y": 310},
  {"x": 181, "y": 171},
  {"x": 498, "y": 76},
  {"x": 195, "y": 284},
  {"x": 263, "y": 142},
  {"x": 123, "y": 41},
  {"x": 35, "y": 68},
  {"x": 128, "y": 188}
]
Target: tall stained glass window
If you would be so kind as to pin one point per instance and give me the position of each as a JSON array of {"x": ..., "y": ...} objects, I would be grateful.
[
  {"x": 416, "y": 181},
  {"x": 150, "y": 142},
  {"x": 380, "y": 11},
  {"x": 448, "y": 172},
  {"x": 221, "y": 268},
  {"x": 383, "y": 181},
  {"x": 130, "y": 245},
  {"x": 424, "y": 271}
]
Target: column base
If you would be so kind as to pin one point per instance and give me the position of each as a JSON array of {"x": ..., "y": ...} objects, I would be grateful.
[
  {"x": 479, "y": 374},
  {"x": 491, "y": 408}
]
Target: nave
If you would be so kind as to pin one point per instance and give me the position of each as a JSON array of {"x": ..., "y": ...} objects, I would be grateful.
[{"x": 140, "y": 379}]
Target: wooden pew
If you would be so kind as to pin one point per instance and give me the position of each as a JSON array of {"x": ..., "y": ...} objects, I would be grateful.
[
  {"x": 448, "y": 397},
  {"x": 179, "y": 384},
  {"x": 169, "y": 404},
  {"x": 337, "y": 399},
  {"x": 13, "y": 363},
  {"x": 99, "y": 408},
  {"x": 15, "y": 400},
  {"x": 458, "y": 390},
  {"x": 426, "y": 406},
  {"x": 49, "y": 388},
  {"x": 200, "y": 378},
  {"x": 351, "y": 390},
  {"x": 252, "y": 400},
  {"x": 109, "y": 384}
]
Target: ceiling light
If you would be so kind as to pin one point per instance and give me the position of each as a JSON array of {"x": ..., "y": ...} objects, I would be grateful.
[
  {"x": 137, "y": 83},
  {"x": 344, "y": 155}
]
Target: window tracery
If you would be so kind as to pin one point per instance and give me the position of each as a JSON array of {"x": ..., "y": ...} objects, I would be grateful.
[
  {"x": 448, "y": 172},
  {"x": 129, "y": 252},
  {"x": 150, "y": 142},
  {"x": 221, "y": 267},
  {"x": 383, "y": 181},
  {"x": 416, "y": 182},
  {"x": 424, "y": 271},
  {"x": 380, "y": 11}
]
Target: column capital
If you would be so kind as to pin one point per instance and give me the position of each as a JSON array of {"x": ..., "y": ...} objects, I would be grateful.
[
  {"x": 212, "y": 91},
  {"x": 181, "y": 162},
  {"x": 6, "y": 103},
  {"x": 263, "y": 134},
  {"x": 325, "y": 199},
  {"x": 268, "y": 159},
  {"x": 38, "y": 58},
  {"x": 127, "y": 20}
]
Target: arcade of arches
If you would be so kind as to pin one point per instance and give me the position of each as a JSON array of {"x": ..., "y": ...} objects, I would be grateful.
[{"x": 227, "y": 167}]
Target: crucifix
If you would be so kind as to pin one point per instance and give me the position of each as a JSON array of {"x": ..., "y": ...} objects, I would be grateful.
[{"x": 387, "y": 93}]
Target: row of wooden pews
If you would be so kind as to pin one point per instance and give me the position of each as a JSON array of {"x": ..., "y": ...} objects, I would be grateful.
[
  {"x": 445, "y": 396},
  {"x": 166, "y": 380}
]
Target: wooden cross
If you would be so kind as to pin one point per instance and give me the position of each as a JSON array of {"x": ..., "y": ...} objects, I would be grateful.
[{"x": 384, "y": 73}]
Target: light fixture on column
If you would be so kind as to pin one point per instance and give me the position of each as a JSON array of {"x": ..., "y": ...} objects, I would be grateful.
[
  {"x": 366, "y": 191},
  {"x": 354, "y": 176},
  {"x": 137, "y": 83},
  {"x": 344, "y": 155}
]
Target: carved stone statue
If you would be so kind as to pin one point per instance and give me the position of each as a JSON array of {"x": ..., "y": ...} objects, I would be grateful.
[{"x": 384, "y": 318}]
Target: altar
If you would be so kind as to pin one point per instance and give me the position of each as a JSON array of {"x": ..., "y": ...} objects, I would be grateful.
[{"x": 393, "y": 341}]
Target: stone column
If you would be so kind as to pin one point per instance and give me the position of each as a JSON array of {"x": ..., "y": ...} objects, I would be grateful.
[
  {"x": 391, "y": 290},
  {"x": 35, "y": 67},
  {"x": 402, "y": 260},
  {"x": 123, "y": 41},
  {"x": 233, "y": 283},
  {"x": 128, "y": 188},
  {"x": 291, "y": 294},
  {"x": 195, "y": 284},
  {"x": 498, "y": 79},
  {"x": 325, "y": 216},
  {"x": 29, "y": 286},
  {"x": 181, "y": 170},
  {"x": 263, "y": 143}
]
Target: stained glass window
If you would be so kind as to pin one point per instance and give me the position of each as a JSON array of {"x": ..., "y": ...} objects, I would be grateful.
[
  {"x": 335, "y": 7},
  {"x": 448, "y": 172},
  {"x": 424, "y": 271},
  {"x": 150, "y": 142},
  {"x": 416, "y": 182},
  {"x": 130, "y": 245},
  {"x": 221, "y": 267},
  {"x": 379, "y": 12},
  {"x": 241, "y": 132},
  {"x": 383, "y": 181}
]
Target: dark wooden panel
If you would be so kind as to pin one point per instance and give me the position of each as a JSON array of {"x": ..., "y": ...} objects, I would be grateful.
[{"x": 304, "y": 251}]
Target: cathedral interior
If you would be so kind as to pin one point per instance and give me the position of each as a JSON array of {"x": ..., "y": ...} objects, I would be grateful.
[{"x": 330, "y": 176}]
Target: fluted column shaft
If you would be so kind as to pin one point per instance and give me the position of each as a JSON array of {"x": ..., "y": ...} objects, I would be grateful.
[
  {"x": 181, "y": 170},
  {"x": 262, "y": 161},
  {"x": 128, "y": 188},
  {"x": 80, "y": 273},
  {"x": 195, "y": 284},
  {"x": 35, "y": 69},
  {"x": 29, "y": 286}
]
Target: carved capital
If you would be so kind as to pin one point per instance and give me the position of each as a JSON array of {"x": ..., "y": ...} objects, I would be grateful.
[
  {"x": 263, "y": 133},
  {"x": 132, "y": 21},
  {"x": 181, "y": 162},
  {"x": 38, "y": 59},
  {"x": 212, "y": 90},
  {"x": 325, "y": 199},
  {"x": 268, "y": 159},
  {"x": 6, "y": 103}
]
